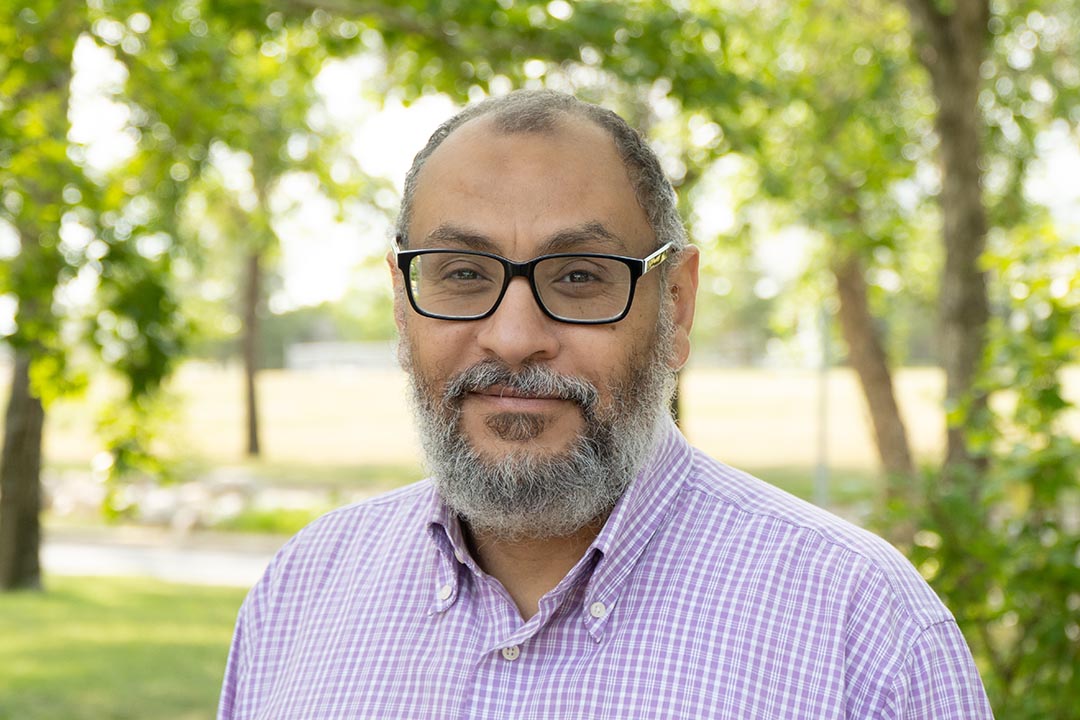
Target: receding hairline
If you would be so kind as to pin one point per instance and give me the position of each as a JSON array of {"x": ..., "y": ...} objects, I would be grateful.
[
  {"x": 547, "y": 111},
  {"x": 543, "y": 117},
  {"x": 489, "y": 124}
]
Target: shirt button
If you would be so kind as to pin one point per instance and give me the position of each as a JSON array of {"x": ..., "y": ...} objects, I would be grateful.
[
  {"x": 444, "y": 592},
  {"x": 511, "y": 653},
  {"x": 598, "y": 610},
  {"x": 459, "y": 557}
]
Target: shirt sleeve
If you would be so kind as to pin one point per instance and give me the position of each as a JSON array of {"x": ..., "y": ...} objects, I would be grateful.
[
  {"x": 237, "y": 681},
  {"x": 939, "y": 680},
  {"x": 227, "y": 709}
]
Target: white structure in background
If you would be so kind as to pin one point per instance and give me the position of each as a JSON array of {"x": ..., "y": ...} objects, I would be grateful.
[{"x": 323, "y": 355}]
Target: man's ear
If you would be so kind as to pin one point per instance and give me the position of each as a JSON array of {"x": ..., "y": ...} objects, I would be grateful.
[
  {"x": 682, "y": 289},
  {"x": 400, "y": 300}
]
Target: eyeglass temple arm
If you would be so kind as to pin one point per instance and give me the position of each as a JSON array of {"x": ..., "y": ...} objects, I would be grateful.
[{"x": 661, "y": 254}]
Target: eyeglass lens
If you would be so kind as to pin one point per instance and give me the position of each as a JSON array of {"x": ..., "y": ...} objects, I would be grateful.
[{"x": 461, "y": 285}]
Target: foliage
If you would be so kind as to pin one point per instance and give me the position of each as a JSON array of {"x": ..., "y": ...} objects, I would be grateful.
[
  {"x": 1032, "y": 84},
  {"x": 133, "y": 432},
  {"x": 111, "y": 230},
  {"x": 81, "y": 230},
  {"x": 79, "y": 226},
  {"x": 1007, "y": 560},
  {"x": 114, "y": 648}
]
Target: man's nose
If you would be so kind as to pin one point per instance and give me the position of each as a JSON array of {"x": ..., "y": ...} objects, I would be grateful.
[{"x": 519, "y": 331}]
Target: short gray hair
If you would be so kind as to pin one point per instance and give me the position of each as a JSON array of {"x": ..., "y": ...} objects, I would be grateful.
[{"x": 535, "y": 111}]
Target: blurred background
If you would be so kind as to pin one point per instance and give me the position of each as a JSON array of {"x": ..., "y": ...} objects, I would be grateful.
[{"x": 197, "y": 349}]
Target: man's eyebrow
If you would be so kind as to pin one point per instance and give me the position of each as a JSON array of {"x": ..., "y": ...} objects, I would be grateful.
[
  {"x": 454, "y": 235},
  {"x": 590, "y": 236}
]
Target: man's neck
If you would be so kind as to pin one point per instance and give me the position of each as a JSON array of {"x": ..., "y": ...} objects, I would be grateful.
[{"x": 528, "y": 569}]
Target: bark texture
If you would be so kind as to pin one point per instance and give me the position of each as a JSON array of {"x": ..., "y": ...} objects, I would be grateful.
[
  {"x": 866, "y": 353},
  {"x": 252, "y": 294},
  {"x": 952, "y": 50},
  {"x": 20, "y": 483}
]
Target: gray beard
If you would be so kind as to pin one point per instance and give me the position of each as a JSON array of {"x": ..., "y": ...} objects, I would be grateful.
[{"x": 530, "y": 495}]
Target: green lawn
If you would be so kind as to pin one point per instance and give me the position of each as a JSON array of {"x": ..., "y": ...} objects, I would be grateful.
[{"x": 112, "y": 649}]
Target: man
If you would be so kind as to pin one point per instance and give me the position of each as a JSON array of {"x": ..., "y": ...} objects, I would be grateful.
[{"x": 571, "y": 556}]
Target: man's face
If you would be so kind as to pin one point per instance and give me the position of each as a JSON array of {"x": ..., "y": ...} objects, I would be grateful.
[{"x": 522, "y": 195}]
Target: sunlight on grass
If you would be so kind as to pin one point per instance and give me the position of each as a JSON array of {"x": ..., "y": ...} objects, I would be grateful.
[{"x": 111, "y": 649}]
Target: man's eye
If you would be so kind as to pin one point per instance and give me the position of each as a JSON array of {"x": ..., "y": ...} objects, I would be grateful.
[
  {"x": 579, "y": 276},
  {"x": 582, "y": 272},
  {"x": 461, "y": 274}
]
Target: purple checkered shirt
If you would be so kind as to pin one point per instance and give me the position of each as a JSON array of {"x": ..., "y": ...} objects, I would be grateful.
[{"x": 708, "y": 594}]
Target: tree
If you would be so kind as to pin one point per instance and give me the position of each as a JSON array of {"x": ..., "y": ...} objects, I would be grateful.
[
  {"x": 35, "y": 172},
  {"x": 998, "y": 538},
  {"x": 953, "y": 45},
  {"x": 253, "y": 98},
  {"x": 190, "y": 81},
  {"x": 832, "y": 135},
  {"x": 73, "y": 225}
]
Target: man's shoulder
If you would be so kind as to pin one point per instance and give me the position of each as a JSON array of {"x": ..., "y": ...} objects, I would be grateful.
[
  {"x": 748, "y": 495},
  {"x": 765, "y": 522}
]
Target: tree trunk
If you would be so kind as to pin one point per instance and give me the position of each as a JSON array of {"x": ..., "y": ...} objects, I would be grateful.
[
  {"x": 952, "y": 51},
  {"x": 252, "y": 293},
  {"x": 20, "y": 483},
  {"x": 867, "y": 356}
]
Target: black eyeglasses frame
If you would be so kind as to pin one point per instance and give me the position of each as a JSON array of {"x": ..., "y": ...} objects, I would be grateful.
[{"x": 638, "y": 267}]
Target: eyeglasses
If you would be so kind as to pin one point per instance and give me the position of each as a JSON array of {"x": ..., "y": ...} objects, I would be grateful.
[{"x": 581, "y": 288}]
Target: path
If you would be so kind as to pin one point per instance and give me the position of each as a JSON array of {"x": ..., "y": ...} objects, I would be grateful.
[{"x": 198, "y": 558}]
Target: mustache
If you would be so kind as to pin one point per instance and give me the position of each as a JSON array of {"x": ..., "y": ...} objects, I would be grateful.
[{"x": 530, "y": 380}]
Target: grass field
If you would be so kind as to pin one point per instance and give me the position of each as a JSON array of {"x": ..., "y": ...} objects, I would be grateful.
[{"x": 112, "y": 649}]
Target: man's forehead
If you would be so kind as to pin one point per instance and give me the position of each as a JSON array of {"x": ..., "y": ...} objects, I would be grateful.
[
  {"x": 579, "y": 194},
  {"x": 475, "y": 137}
]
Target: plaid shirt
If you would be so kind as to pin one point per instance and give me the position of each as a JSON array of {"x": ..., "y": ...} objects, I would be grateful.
[{"x": 708, "y": 594}]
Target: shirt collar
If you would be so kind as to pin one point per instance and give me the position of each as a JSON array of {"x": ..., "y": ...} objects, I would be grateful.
[
  {"x": 645, "y": 503},
  {"x": 638, "y": 515}
]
